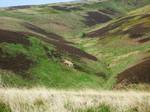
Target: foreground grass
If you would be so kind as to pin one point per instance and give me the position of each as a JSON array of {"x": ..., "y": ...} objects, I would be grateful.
[
  {"x": 44, "y": 100},
  {"x": 4, "y": 108}
]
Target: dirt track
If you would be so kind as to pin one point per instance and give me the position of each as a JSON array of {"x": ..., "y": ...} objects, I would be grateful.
[{"x": 139, "y": 73}]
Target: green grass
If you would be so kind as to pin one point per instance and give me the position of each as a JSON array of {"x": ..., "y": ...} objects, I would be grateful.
[
  {"x": 101, "y": 108},
  {"x": 4, "y": 108},
  {"x": 49, "y": 72},
  {"x": 113, "y": 51}
]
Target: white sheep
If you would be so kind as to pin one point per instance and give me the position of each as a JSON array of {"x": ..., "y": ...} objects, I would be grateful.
[{"x": 68, "y": 63}]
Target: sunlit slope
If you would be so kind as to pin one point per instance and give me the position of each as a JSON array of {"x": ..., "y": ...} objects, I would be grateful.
[
  {"x": 77, "y": 45},
  {"x": 124, "y": 42},
  {"x": 69, "y": 20}
]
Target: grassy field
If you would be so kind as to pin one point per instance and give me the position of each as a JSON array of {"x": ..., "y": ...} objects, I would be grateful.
[{"x": 45, "y": 100}]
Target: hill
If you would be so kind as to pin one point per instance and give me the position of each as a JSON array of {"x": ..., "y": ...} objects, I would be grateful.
[
  {"x": 125, "y": 41},
  {"x": 88, "y": 44}
]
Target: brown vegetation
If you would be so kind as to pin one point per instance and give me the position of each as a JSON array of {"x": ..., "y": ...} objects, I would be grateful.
[
  {"x": 101, "y": 32},
  {"x": 109, "y": 12},
  {"x": 43, "y": 32},
  {"x": 17, "y": 64},
  {"x": 14, "y": 37},
  {"x": 137, "y": 31},
  {"x": 139, "y": 73},
  {"x": 144, "y": 40},
  {"x": 66, "y": 8},
  {"x": 94, "y": 18},
  {"x": 19, "y": 7},
  {"x": 61, "y": 44}
]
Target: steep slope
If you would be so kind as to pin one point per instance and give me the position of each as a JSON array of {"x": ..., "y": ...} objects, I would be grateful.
[{"x": 30, "y": 59}]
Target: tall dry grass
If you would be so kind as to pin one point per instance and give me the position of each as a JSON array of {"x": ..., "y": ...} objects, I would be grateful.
[{"x": 44, "y": 100}]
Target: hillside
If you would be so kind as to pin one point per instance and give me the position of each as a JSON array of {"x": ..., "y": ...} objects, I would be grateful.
[
  {"x": 127, "y": 38},
  {"x": 90, "y": 44}
]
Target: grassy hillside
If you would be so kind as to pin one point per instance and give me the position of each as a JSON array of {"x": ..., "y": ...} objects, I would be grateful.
[
  {"x": 69, "y": 20},
  {"x": 75, "y": 45},
  {"x": 124, "y": 41},
  {"x": 41, "y": 64}
]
